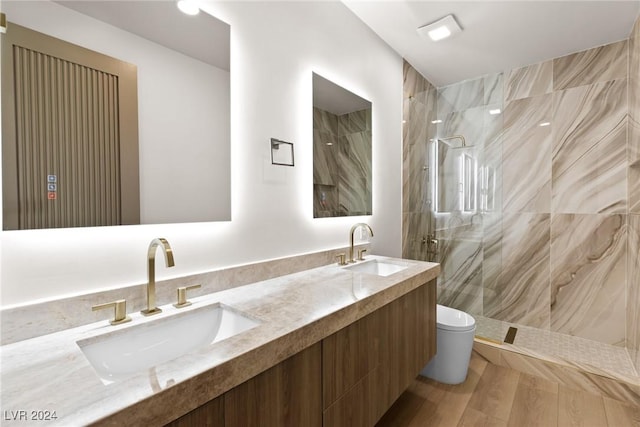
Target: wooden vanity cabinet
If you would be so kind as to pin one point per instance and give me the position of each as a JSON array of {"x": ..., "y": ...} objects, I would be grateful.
[
  {"x": 211, "y": 414},
  {"x": 368, "y": 365},
  {"x": 350, "y": 378},
  {"x": 287, "y": 394}
]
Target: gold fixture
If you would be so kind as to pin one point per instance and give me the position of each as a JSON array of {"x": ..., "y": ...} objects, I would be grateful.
[
  {"x": 511, "y": 335},
  {"x": 151, "y": 272},
  {"x": 361, "y": 254},
  {"x": 451, "y": 138},
  {"x": 120, "y": 309},
  {"x": 341, "y": 258},
  {"x": 432, "y": 246},
  {"x": 182, "y": 296},
  {"x": 352, "y": 232}
]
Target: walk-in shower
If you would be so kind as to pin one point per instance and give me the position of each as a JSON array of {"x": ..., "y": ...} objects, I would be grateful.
[{"x": 481, "y": 198}]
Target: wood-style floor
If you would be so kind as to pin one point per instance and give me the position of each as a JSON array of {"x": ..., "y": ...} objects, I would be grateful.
[{"x": 496, "y": 396}]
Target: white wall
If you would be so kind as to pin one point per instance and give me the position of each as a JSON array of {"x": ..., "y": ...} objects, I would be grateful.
[{"x": 274, "y": 49}]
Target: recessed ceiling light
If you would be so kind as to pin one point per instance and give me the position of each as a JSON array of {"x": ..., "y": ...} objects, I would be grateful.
[
  {"x": 495, "y": 111},
  {"x": 543, "y": 124},
  {"x": 440, "y": 29},
  {"x": 189, "y": 7},
  {"x": 439, "y": 33},
  {"x": 436, "y": 121}
]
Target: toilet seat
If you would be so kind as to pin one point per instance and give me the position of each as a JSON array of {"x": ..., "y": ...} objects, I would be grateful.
[{"x": 450, "y": 319}]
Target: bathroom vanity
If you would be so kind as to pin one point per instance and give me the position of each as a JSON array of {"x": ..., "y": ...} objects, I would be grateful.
[{"x": 328, "y": 346}]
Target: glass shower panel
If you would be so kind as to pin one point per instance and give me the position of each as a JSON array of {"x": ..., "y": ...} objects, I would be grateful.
[
  {"x": 419, "y": 110},
  {"x": 467, "y": 159}
]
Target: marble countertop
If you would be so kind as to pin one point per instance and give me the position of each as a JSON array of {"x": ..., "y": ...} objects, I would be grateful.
[{"x": 50, "y": 374}]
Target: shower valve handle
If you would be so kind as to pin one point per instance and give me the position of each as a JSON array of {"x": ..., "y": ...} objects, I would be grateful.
[{"x": 432, "y": 242}]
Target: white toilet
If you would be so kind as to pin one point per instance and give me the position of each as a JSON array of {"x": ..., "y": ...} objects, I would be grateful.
[{"x": 455, "y": 342}]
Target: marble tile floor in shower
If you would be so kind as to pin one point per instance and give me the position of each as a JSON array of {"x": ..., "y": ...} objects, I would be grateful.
[
  {"x": 596, "y": 357},
  {"x": 495, "y": 395}
]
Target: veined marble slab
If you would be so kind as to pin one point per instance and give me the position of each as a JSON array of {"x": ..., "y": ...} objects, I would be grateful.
[
  {"x": 460, "y": 96},
  {"x": 32, "y": 320},
  {"x": 589, "y": 149},
  {"x": 588, "y": 276},
  {"x": 415, "y": 228},
  {"x": 491, "y": 264},
  {"x": 460, "y": 284},
  {"x": 633, "y": 291},
  {"x": 413, "y": 82},
  {"x": 633, "y": 284},
  {"x": 493, "y": 88},
  {"x": 297, "y": 310},
  {"x": 527, "y": 155},
  {"x": 532, "y": 80},
  {"x": 523, "y": 284},
  {"x": 600, "y": 64},
  {"x": 634, "y": 120},
  {"x": 419, "y": 110}
]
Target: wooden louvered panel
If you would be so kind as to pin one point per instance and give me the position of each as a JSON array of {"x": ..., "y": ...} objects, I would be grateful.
[
  {"x": 70, "y": 112},
  {"x": 67, "y": 127}
]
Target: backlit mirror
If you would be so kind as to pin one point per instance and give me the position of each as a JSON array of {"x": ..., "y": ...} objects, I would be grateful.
[
  {"x": 341, "y": 151},
  {"x": 183, "y": 118}
]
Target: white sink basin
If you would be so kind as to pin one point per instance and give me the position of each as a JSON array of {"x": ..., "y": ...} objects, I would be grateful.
[
  {"x": 376, "y": 267},
  {"x": 129, "y": 351}
]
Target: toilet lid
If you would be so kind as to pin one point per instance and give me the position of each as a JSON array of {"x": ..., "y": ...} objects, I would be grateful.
[{"x": 451, "y": 319}]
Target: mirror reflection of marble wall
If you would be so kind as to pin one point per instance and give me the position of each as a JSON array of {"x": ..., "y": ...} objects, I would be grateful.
[
  {"x": 341, "y": 151},
  {"x": 184, "y": 123}
]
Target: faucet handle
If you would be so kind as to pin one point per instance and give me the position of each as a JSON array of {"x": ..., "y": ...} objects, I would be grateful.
[
  {"x": 182, "y": 296},
  {"x": 120, "y": 309},
  {"x": 341, "y": 259},
  {"x": 361, "y": 254}
]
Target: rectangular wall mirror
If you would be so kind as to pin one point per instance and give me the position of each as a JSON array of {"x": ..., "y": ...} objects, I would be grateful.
[
  {"x": 341, "y": 151},
  {"x": 67, "y": 171}
]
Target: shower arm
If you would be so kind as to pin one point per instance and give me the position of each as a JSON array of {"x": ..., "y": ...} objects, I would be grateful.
[{"x": 449, "y": 138}]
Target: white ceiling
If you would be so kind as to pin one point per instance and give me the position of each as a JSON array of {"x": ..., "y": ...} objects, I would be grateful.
[
  {"x": 497, "y": 35},
  {"x": 201, "y": 36},
  {"x": 335, "y": 99}
]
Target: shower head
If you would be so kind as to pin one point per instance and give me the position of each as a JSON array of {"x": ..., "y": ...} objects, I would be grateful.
[{"x": 450, "y": 138}]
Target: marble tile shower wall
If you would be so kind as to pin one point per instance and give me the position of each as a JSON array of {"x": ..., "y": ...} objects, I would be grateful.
[
  {"x": 633, "y": 281},
  {"x": 419, "y": 111},
  {"x": 558, "y": 249},
  {"x": 565, "y": 216}
]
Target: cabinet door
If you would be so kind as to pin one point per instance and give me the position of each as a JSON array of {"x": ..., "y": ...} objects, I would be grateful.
[
  {"x": 367, "y": 365},
  {"x": 289, "y": 394},
  {"x": 348, "y": 356},
  {"x": 211, "y": 414}
]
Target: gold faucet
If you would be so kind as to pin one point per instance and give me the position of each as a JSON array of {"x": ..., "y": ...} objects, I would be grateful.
[
  {"x": 151, "y": 272},
  {"x": 352, "y": 232}
]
